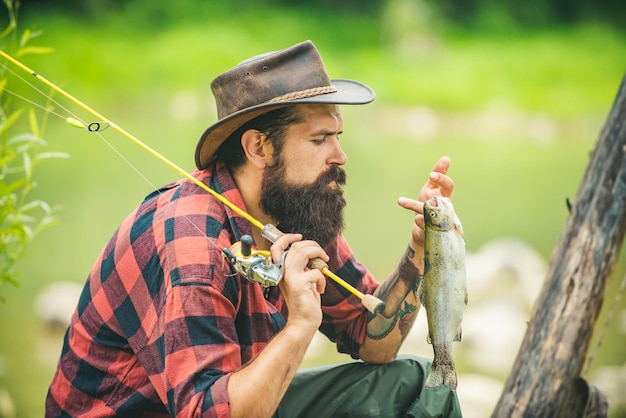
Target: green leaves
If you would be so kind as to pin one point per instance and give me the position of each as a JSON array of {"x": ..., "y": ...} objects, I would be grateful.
[
  {"x": 21, "y": 218},
  {"x": 21, "y": 151}
]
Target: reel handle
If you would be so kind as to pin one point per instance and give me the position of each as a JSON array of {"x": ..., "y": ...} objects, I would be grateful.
[{"x": 246, "y": 245}]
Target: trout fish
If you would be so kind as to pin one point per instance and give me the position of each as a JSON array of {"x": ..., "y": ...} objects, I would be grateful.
[{"x": 443, "y": 291}]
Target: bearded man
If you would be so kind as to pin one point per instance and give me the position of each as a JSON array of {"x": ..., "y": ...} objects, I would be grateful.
[{"x": 165, "y": 327}]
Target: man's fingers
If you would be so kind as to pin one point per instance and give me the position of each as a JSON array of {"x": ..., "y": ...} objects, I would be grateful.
[
  {"x": 282, "y": 244},
  {"x": 411, "y": 204},
  {"x": 286, "y": 240},
  {"x": 441, "y": 182},
  {"x": 442, "y": 165},
  {"x": 317, "y": 280},
  {"x": 303, "y": 251}
]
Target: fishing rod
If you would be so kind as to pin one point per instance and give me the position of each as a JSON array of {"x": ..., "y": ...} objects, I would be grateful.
[{"x": 268, "y": 231}]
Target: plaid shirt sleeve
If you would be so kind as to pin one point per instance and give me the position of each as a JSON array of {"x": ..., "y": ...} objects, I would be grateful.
[{"x": 162, "y": 322}]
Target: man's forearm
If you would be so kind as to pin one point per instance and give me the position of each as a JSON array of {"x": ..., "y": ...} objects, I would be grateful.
[
  {"x": 257, "y": 388},
  {"x": 387, "y": 331}
]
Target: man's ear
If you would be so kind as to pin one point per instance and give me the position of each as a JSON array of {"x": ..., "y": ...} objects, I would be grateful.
[{"x": 257, "y": 148}]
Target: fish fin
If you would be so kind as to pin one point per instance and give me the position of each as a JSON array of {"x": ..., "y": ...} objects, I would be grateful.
[
  {"x": 458, "y": 226},
  {"x": 420, "y": 293},
  {"x": 457, "y": 337},
  {"x": 466, "y": 296}
]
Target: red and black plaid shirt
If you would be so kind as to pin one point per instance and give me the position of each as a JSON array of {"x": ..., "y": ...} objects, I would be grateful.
[{"x": 162, "y": 321}]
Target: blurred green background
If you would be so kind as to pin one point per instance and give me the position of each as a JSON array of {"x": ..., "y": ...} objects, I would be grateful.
[{"x": 515, "y": 95}]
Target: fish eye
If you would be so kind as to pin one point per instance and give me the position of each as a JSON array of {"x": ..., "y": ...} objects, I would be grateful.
[{"x": 431, "y": 214}]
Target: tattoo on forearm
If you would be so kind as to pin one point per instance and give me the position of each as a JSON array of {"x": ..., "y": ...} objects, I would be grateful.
[
  {"x": 407, "y": 271},
  {"x": 407, "y": 317},
  {"x": 393, "y": 292},
  {"x": 379, "y": 330}
]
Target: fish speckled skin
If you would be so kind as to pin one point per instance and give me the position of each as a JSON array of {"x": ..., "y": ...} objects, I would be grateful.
[{"x": 443, "y": 291}]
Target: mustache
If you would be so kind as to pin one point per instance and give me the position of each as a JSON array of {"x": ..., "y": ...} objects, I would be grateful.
[{"x": 335, "y": 173}]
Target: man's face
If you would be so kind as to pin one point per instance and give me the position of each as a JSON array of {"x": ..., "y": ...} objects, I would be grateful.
[
  {"x": 301, "y": 190},
  {"x": 312, "y": 146}
]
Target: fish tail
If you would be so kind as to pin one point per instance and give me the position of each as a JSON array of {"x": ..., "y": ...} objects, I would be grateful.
[{"x": 442, "y": 372}]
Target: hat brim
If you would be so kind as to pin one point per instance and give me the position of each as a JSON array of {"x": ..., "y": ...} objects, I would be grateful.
[{"x": 348, "y": 92}]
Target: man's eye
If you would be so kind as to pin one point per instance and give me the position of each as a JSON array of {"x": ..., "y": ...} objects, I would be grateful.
[{"x": 319, "y": 141}]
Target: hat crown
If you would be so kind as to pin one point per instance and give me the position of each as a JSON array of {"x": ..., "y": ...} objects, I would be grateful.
[{"x": 267, "y": 77}]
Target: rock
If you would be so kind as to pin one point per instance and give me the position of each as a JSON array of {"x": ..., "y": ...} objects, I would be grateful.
[{"x": 56, "y": 303}]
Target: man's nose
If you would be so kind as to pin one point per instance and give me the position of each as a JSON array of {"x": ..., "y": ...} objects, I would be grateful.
[{"x": 338, "y": 156}]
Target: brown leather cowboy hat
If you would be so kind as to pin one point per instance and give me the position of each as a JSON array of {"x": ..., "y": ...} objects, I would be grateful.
[{"x": 270, "y": 81}]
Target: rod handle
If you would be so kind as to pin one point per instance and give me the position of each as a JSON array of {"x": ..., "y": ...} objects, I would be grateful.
[
  {"x": 370, "y": 302},
  {"x": 373, "y": 304}
]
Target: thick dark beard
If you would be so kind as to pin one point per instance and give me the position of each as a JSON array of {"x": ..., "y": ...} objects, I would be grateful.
[{"x": 313, "y": 210}]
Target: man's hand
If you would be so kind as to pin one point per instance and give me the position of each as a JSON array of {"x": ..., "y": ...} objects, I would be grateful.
[
  {"x": 274, "y": 367},
  {"x": 301, "y": 286},
  {"x": 439, "y": 184}
]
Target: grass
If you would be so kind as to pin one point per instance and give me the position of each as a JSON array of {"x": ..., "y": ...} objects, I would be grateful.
[{"x": 508, "y": 183}]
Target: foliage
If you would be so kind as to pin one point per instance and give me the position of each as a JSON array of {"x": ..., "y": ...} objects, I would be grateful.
[
  {"x": 473, "y": 13},
  {"x": 21, "y": 217},
  {"x": 468, "y": 13}
]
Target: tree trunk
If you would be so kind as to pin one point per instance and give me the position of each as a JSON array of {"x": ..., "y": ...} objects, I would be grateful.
[{"x": 552, "y": 354}]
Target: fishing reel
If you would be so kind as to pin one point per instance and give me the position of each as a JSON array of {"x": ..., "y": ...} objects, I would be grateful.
[{"x": 254, "y": 265}]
